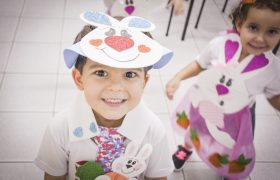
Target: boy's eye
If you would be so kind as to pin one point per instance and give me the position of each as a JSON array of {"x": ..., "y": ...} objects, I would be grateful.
[
  {"x": 130, "y": 74},
  {"x": 101, "y": 73}
]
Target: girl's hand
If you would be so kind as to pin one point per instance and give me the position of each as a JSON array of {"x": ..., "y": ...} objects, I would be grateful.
[
  {"x": 178, "y": 6},
  {"x": 171, "y": 87}
]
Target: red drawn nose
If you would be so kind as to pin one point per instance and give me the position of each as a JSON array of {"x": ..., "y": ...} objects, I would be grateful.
[
  {"x": 221, "y": 89},
  {"x": 119, "y": 43}
]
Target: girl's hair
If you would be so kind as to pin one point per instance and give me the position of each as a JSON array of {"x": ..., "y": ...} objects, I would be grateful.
[
  {"x": 240, "y": 12},
  {"x": 81, "y": 60}
]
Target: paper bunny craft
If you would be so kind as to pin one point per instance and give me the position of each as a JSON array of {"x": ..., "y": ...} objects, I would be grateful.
[
  {"x": 214, "y": 114},
  {"x": 126, "y": 5},
  {"x": 131, "y": 164},
  {"x": 120, "y": 44}
]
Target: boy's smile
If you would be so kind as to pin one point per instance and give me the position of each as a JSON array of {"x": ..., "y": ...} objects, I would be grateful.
[
  {"x": 114, "y": 101},
  {"x": 111, "y": 92},
  {"x": 260, "y": 32}
]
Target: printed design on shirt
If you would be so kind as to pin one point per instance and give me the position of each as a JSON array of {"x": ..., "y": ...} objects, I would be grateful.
[
  {"x": 92, "y": 170},
  {"x": 88, "y": 170},
  {"x": 110, "y": 145},
  {"x": 182, "y": 120},
  {"x": 92, "y": 127},
  {"x": 128, "y": 166},
  {"x": 132, "y": 163},
  {"x": 235, "y": 166},
  {"x": 239, "y": 165},
  {"x": 79, "y": 131},
  {"x": 195, "y": 139}
]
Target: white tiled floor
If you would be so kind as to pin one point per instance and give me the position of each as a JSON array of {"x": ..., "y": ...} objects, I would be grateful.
[{"x": 34, "y": 83}]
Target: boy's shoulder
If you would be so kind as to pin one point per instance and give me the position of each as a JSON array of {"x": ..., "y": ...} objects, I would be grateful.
[
  {"x": 142, "y": 123},
  {"x": 156, "y": 124}
]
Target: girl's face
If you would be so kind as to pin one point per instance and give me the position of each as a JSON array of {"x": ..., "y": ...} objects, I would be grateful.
[
  {"x": 260, "y": 32},
  {"x": 111, "y": 92}
]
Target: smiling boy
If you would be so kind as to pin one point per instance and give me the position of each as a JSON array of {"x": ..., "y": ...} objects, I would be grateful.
[{"x": 111, "y": 63}]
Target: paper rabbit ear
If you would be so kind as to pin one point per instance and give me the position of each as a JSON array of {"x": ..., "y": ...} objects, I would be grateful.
[
  {"x": 232, "y": 48},
  {"x": 98, "y": 19},
  {"x": 255, "y": 63},
  {"x": 131, "y": 149},
  {"x": 138, "y": 23},
  {"x": 252, "y": 65}
]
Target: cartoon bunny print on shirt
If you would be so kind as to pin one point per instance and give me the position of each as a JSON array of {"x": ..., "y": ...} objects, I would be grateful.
[{"x": 132, "y": 163}]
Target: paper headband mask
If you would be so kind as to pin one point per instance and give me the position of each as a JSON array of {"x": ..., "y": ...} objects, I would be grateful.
[{"x": 119, "y": 44}]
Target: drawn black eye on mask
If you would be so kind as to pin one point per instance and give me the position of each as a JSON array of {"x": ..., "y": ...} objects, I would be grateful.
[
  {"x": 125, "y": 33},
  {"x": 127, "y": 2},
  {"x": 110, "y": 32},
  {"x": 223, "y": 78},
  {"x": 229, "y": 82}
]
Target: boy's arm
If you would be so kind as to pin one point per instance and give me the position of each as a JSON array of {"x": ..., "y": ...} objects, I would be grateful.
[
  {"x": 275, "y": 102},
  {"x": 50, "y": 177},
  {"x": 161, "y": 178}
]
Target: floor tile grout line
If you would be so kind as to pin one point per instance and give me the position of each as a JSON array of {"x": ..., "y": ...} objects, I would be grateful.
[
  {"x": 16, "y": 162},
  {"x": 12, "y": 44},
  {"x": 58, "y": 61},
  {"x": 26, "y": 111},
  {"x": 30, "y": 73},
  {"x": 221, "y": 13}
]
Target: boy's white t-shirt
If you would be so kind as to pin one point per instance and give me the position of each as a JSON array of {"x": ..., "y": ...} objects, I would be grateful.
[
  {"x": 266, "y": 82},
  {"x": 61, "y": 149}
]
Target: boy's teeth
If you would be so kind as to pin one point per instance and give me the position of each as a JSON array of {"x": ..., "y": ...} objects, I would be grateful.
[{"x": 113, "y": 100}]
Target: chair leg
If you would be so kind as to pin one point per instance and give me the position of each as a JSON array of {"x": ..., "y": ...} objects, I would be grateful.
[
  {"x": 187, "y": 19},
  {"x": 225, "y": 5},
  {"x": 276, "y": 48},
  {"x": 169, "y": 21},
  {"x": 199, "y": 15}
]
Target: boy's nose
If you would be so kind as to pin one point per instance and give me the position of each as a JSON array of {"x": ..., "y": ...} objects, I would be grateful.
[{"x": 115, "y": 84}]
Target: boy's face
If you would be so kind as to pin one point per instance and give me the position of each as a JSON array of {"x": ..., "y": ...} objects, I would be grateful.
[
  {"x": 260, "y": 32},
  {"x": 111, "y": 92}
]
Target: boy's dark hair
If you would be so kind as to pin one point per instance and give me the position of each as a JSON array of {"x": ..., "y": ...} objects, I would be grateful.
[
  {"x": 81, "y": 60},
  {"x": 241, "y": 11}
]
